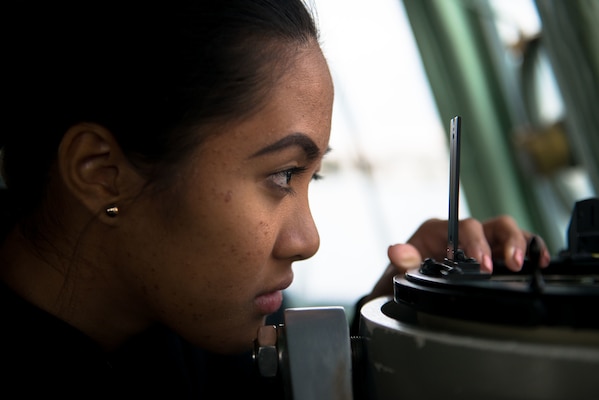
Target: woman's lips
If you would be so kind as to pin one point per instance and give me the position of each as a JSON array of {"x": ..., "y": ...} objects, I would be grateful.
[{"x": 269, "y": 303}]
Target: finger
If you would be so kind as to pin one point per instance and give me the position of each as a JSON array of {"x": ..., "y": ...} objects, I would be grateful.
[
  {"x": 404, "y": 257},
  {"x": 544, "y": 256},
  {"x": 507, "y": 241},
  {"x": 545, "y": 259},
  {"x": 474, "y": 243}
]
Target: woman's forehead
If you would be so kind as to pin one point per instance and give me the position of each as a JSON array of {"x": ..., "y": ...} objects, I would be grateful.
[{"x": 298, "y": 109}]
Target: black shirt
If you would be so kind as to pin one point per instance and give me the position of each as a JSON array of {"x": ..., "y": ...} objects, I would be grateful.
[{"x": 42, "y": 355}]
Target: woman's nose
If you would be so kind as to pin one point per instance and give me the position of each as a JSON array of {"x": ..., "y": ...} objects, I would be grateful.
[{"x": 298, "y": 238}]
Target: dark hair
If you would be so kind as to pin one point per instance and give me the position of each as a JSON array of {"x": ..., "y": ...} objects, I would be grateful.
[{"x": 148, "y": 73}]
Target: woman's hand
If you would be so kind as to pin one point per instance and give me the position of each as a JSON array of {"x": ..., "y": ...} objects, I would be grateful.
[{"x": 496, "y": 238}]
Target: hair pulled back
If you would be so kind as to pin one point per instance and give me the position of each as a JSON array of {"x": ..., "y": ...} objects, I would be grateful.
[{"x": 147, "y": 71}]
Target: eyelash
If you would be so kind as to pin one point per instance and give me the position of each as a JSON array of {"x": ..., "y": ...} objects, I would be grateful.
[{"x": 288, "y": 174}]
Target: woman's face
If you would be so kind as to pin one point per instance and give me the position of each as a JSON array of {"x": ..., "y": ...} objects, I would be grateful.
[{"x": 216, "y": 259}]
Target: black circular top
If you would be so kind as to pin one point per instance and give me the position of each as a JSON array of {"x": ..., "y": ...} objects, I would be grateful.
[{"x": 566, "y": 293}]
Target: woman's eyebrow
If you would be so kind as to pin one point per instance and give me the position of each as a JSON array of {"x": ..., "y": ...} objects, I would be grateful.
[{"x": 296, "y": 139}]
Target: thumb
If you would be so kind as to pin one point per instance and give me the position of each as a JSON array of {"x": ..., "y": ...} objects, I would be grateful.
[{"x": 404, "y": 256}]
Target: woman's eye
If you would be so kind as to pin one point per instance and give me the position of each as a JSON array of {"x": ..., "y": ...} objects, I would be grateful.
[{"x": 282, "y": 179}]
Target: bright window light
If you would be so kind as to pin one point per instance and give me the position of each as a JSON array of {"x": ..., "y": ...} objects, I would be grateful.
[{"x": 388, "y": 169}]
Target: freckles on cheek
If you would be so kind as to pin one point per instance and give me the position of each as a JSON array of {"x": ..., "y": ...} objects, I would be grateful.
[
  {"x": 254, "y": 246},
  {"x": 264, "y": 227}
]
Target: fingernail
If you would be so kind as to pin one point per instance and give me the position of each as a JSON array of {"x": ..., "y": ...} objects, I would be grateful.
[
  {"x": 410, "y": 261},
  {"x": 518, "y": 256},
  {"x": 487, "y": 263},
  {"x": 546, "y": 258}
]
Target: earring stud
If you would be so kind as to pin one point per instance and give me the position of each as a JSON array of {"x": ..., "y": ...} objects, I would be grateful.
[{"x": 112, "y": 211}]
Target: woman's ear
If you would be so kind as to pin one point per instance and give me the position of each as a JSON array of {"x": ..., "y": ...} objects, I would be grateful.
[{"x": 94, "y": 168}]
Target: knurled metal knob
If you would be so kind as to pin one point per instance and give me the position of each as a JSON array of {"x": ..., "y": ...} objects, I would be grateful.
[{"x": 266, "y": 355}]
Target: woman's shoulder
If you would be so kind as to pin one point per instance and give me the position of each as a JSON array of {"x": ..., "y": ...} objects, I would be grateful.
[
  {"x": 30, "y": 334},
  {"x": 39, "y": 350}
]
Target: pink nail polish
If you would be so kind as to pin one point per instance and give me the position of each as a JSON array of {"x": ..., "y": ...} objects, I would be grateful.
[
  {"x": 518, "y": 257},
  {"x": 487, "y": 263}
]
